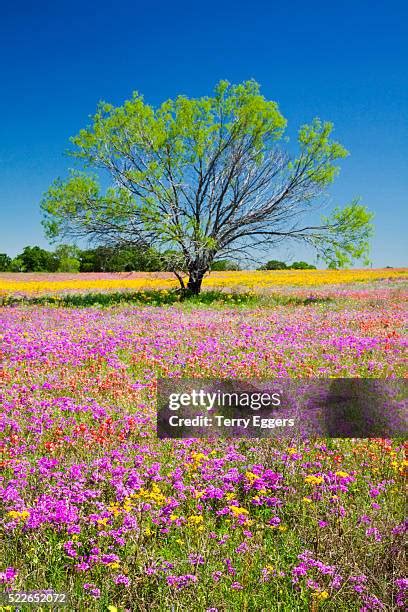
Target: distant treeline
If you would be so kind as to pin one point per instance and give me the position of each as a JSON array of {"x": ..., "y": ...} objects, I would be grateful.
[
  {"x": 68, "y": 258},
  {"x": 274, "y": 264}
]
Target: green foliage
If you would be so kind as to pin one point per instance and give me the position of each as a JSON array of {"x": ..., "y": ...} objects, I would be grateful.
[
  {"x": 222, "y": 265},
  {"x": 68, "y": 258},
  {"x": 78, "y": 203},
  {"x": 302, "y": 265},
  {"x": 318, "y": 152},
  {"x": 182, "y": 129},
  {"x": 16, "y": 265},
  {"x": 348, "y": 235},
  {"x": 121, "y": 259},
  {"x": 5, "y": 262},
  {"x": 274, "y": 264},
  {"x": 36, "y": 259},
  {"x": 69, "y": 264},
  {"x": 135, "y": 259},
  {"x": 94, "y": 260}
]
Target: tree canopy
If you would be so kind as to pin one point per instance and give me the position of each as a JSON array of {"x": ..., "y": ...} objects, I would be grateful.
[{"x": 203, "y": 179}]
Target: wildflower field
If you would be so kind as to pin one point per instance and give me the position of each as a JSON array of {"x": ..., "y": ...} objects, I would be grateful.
[
  {"x": 93, "y": 504},
  {"x": 260, "y": 281}
]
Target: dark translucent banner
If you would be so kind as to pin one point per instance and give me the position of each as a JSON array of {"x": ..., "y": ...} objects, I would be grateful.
[{"x": 335, "y": 407}]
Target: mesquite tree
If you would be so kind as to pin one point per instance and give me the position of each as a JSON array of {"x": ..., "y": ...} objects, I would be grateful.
[{"x": 201, "y": 179}]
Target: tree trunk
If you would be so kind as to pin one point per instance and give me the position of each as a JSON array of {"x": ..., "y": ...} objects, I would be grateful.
[{"x": 194, "y": 282}]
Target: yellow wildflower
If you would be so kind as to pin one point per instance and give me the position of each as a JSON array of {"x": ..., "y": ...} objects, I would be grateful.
[
  {"x": 314, "y": 480},
  {"x": 237, "y": 511},
  {"x": 127, "y": 506},
  {"x": 251, "y": 477},
  {"x": 21, "y": 516},
  {"x": 197, "y": 457},
  {"x": 114, "y": 509},
  {"x": 321, "y": 595},
  {"x": 195, "y": 519},
  {"x": 153, "y": 496}
]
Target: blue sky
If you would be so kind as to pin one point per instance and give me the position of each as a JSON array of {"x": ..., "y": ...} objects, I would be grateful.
[{"x": 342, "y": 61}]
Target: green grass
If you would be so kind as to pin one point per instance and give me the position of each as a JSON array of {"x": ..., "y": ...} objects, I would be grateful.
[{"x": 163, "y": 298}]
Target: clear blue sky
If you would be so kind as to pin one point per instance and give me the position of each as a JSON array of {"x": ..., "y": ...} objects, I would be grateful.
[{"x": 344, "y": 61}]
